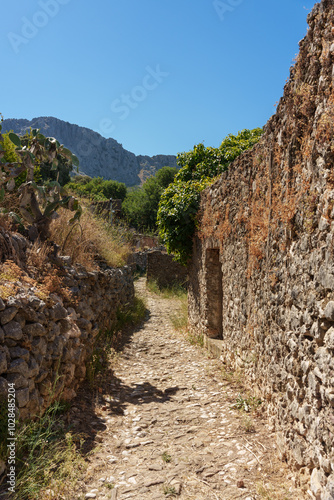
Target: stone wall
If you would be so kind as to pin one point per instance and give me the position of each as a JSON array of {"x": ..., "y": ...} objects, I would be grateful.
[
  {"x": 45, "y": 339},
  {"x": 142, "y": 241},
  {"x": 263, "y": 261},
  {"x": 139, "y": 257},
  {"x": 164, "y": 270},
  {"x": 102, "y": 208}
]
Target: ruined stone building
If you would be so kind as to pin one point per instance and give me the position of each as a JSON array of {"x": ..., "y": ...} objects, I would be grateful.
[{"x": 262, "y": 272}]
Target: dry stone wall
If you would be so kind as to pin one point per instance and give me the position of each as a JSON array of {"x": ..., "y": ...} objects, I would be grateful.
[
  {"x": 45, "y": 341},
  {"x": 162, "y": 268},
  {"x": 263, "y": 261}
]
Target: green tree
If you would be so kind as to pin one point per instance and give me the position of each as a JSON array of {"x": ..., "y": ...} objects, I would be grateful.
[
  {"x": 177, "y": 215},
  {"x": 114, "y": 189},
  {"x": 179, "y": 203},
  {"x": 140, "y": 206}
]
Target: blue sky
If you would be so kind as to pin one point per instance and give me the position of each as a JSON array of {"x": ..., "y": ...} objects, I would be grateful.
[{"x": 159, "y": 76}]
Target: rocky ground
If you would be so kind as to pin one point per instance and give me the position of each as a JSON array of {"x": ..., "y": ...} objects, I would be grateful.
[{"x": 164, "y": 426}]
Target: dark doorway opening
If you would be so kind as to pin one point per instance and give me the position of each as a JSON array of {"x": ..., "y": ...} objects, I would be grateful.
[{"x": 214, "y": 291}]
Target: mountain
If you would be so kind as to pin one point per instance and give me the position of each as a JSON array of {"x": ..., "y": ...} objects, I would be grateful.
[{"x": 99, "y": 157}]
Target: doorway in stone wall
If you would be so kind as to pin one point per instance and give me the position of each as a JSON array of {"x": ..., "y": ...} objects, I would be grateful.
[{"x": 214, "y": 293}]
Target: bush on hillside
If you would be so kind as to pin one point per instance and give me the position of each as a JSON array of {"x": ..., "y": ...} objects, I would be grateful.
[
  {"x": 97, "y": 188},
  {"x": 140, "y": 206}
]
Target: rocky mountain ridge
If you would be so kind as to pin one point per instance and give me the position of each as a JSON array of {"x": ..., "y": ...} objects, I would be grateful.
[{"x": 99, "y": 157}]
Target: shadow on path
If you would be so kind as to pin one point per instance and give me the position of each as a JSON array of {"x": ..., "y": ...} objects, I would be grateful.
[{"x": 111, "y": 395}]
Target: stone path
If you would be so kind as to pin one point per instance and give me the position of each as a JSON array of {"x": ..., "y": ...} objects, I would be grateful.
[{"x": 166, "y": 429}]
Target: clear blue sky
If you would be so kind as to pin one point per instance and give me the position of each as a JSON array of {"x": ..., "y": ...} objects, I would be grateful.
[{"x": 159, "y": 76}]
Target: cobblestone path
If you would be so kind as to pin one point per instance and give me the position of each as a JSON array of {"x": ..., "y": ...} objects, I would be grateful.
[{"x": 167, "y": 429}]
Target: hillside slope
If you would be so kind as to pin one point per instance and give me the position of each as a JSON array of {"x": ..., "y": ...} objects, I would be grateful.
[{"x": 99, "y": 157}]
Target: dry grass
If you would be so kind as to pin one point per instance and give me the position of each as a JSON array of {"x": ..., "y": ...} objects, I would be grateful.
[
  {"x": 90, "y": 239},
  {"x": 50, "y": 462},
  {"x": 38, "y": 255},
  {"x": 44, "y": 280},
  {"x": 12, "y": 278}
]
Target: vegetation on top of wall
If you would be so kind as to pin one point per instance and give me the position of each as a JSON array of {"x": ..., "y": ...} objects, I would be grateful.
[
  {"x": 210, "y": 162},
  {"x": 179, "y": 203}
]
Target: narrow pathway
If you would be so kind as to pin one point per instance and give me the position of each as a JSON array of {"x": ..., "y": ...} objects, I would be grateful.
[{"x": 168, "y": 429}]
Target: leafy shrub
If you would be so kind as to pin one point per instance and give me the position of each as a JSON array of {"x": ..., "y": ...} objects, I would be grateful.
[
  {"x": 140, "y": 206},
  {"x": 179, "y": 203},
  {"x": 97, "y": 188},
  {"x": 177, "y": 216},
  {"x": 209, "y": 162}
]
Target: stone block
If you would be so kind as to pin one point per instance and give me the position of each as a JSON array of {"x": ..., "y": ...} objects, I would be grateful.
[
  {"x": 68, "y": 394},
  {"x": 39, "y": 345},
  {"x": 58, "y": 312},
  {"x": 69, "y": 369},
  {"x": 7, "y": 315},
  {"x": 20, "y": 319},
  {"x": 323, "y": 359},
  {"x": 214, "y": 346},
  {"x": 36, "y": 303},
  {"x": 72, "y": 313},
  {"x": 84, "y": 324},
  {"x": 19, "y": 366},
  {"x": 326, "y": 278},
  {"x": 3, "y": 387},
  {"x": 323, "y": 224},
  {"x": 35, "y": 402},
  {"x": 22, "y": 397},
  {"x": 298, "y": 447},
  {"x": 18, "y": 380},
  {"x": 80, "y": 372},
  {"x": 57, "y": 346},
  {"x": 329, "y": 489},
  {"x": 3, "y": 362},
  {"x": 19, "y": 352},
  {"x": 34, "y": 329},
  {"x": 65, "y": 325},
  {"x": 54, "y": 331},
  {"x": 13, "y": 330},
  {"x": 29, "y": 314},
  {"x": 329, "y": 311},
  {"x": 33, "y": 368},
  {"x": 329, "y": 338},
  {"x": 316, "y": 484},
  {"x": 313, "y": 384}
]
